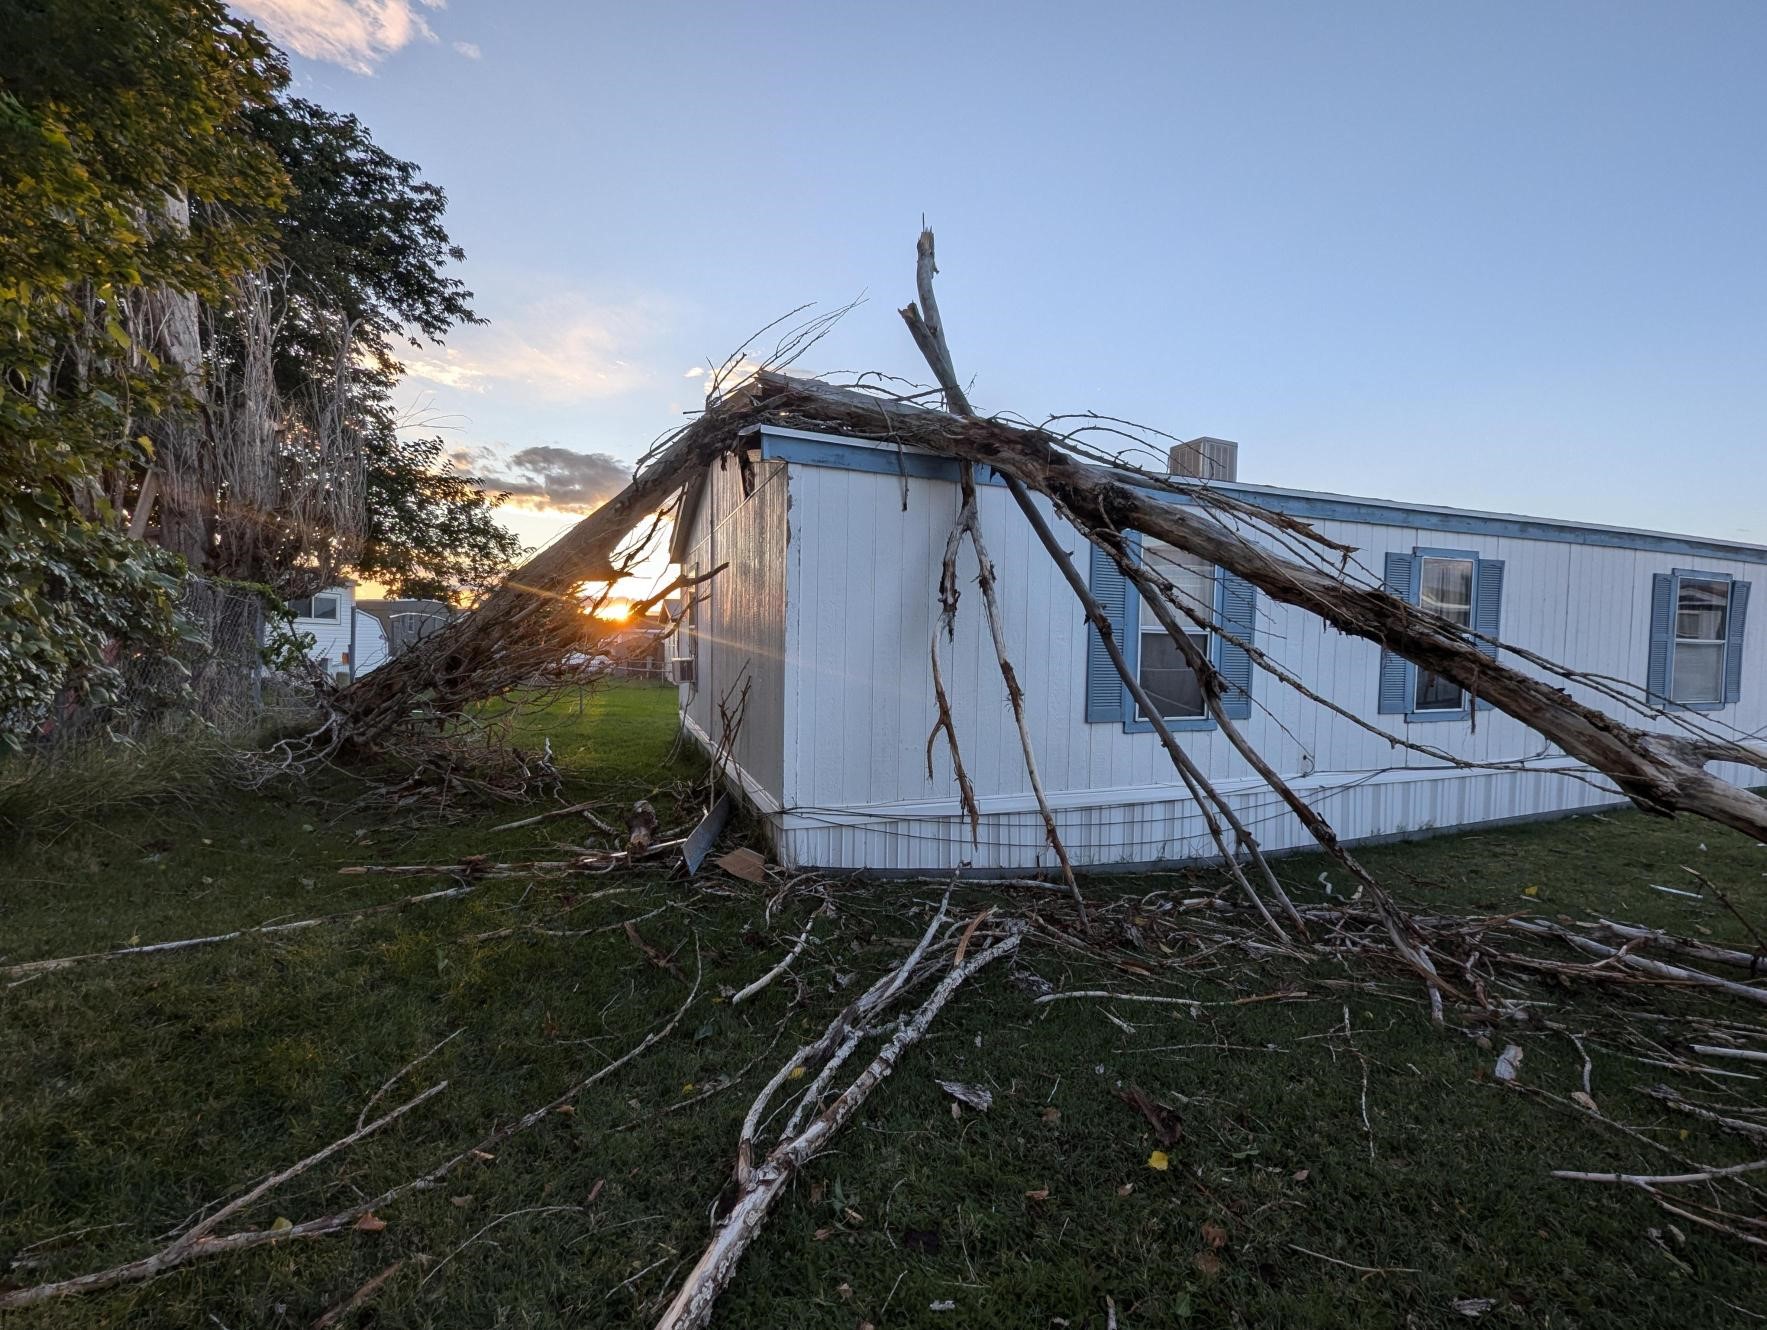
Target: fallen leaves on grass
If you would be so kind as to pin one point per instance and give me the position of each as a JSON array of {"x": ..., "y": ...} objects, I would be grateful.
[
  {"x": 369, "y": 1223},
  {"x": 651, "y": 954},
  {"x": 356, "y": 1299},
  {"x": 1163, "y": 1118},
  {"x": 1158, "y": 1161}
]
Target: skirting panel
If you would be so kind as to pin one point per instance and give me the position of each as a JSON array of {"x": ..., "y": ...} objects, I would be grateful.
[{"x": 1160, "y": 832}]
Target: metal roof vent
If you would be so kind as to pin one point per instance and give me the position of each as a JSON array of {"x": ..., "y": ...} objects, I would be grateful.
[{"x": 1205, "y": 458}]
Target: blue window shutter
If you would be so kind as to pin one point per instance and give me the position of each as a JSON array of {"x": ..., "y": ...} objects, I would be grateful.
[
  {"x": 1739, "y": 611},
  {"x": 1662, "y": 637},
  {"x": 1238, "y": 616},
  {"x": 1488, "y": 609},
  {"x": 1395, "y": 670},
  {"x": 1104, "y": 686}
]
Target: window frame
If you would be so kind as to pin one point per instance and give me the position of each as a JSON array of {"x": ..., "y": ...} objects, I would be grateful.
[
  {"x": 1133, "y": 723},
  {"x": 1677, "y": 577},
  {"x": 312, "y": 603},
  {"x": 1414, "y": 596},
  {"x": 1415, "y": 680}
]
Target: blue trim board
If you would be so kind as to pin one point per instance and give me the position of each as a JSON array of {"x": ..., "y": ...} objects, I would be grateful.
[{"x": 831, "y": 450}]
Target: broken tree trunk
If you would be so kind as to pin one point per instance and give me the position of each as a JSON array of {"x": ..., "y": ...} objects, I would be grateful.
[
  {"x": 692, "y": 1306},
  {"x": 536, "y": 615}
]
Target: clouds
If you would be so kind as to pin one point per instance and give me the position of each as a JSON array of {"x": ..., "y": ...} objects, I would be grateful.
[
  {"x": 547, "y": 476},
  {"x": 356, "y": 34},
  {"x": 561, "y": 351}
]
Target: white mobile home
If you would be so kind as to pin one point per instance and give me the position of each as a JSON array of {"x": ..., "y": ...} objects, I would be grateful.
[
  {"x": 347, "y": 641},
  {"x": 807, "y": 659}
]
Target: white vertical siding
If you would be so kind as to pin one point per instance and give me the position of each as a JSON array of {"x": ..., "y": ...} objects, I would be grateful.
[
  {"x": 332, "y": 637},
  {"x": 371, "y": 643},
  {"x": 856, "y": 705},
  {"x": 741, "y": 619}
]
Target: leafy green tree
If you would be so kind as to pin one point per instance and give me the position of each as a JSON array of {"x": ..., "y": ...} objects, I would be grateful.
[
  {"x": 431, "y": 530},
  {"x": 364, "y": 245},
  {"x": 109, "y": 111}
]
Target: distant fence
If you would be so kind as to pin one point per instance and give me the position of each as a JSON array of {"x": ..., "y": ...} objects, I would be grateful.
[{"x": 213, "y": 675}]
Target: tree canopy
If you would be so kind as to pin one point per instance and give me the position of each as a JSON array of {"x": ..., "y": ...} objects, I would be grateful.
[
  {"x": 106, "y": 110},
  {"x": 168, "y": 219},
  {"x": 362, "y": 245}
]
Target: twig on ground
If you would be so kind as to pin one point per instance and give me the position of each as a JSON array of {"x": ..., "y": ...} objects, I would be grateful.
[
  {"x": 356, "y": 1299},
  {"x": 400, "y": 1074},
  {"x": 1660, "y": 1179},
  {"x": 1116, "y": 997},
  {"x": 550, "y": 814},
  {"x": 777, "y": 970},
  {"x": 1666, "y": 1095},
  {"x": 197, "y": 1244},
  {"x": 500, "y": 1219},
  {"x": 183, "y": 944},
  {"x": 692, "y": 1305},
  {"x": 1351, "y": 1265}
]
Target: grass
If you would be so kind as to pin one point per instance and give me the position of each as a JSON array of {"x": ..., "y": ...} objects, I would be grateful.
[{"x": 140, "y": 1089}]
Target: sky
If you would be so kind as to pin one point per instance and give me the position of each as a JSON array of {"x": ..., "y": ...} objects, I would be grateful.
[{"x": 1503, "y": 256}]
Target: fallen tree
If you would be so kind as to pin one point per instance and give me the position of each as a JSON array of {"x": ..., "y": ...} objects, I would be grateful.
[
  {"x": 1660, "y": 774},
  {"x": 539, "y": 608}
]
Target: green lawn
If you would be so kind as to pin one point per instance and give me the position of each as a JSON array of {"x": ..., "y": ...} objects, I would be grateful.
[{"x": 137, "y": 1090}]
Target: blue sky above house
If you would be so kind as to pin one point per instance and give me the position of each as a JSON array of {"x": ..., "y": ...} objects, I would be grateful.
[{"x": 1509, "y": 257}]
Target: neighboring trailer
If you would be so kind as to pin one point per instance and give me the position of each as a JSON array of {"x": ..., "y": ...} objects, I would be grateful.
[
  {"x": 810, "y": 677},
  {"x": 347, "y": 641}
]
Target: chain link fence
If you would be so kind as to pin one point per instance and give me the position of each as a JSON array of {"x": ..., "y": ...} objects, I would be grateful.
[{"x": 213, "y": 676}]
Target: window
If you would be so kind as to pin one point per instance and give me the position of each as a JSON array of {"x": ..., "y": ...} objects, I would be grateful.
[
  {"x": 1466, "y": 590},
  {"x": 315, "y": 607},
  {"x": 1702, "y": 608},
  {"x": 1445, "y": 587},
  {"x": 1224, "y": 601},
  {"x": 1698, "y": 627},
  {"x": 1162, "y": 672}
]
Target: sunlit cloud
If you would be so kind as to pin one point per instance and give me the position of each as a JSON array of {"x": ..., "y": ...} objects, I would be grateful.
[
  {"x": 356, "y": 34},
  {"x": 724, "y": 375},
  {"x": 546, "y": 477},
  {"x": 468, "y": 49},
  {"x": 562, "y": 351}
]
